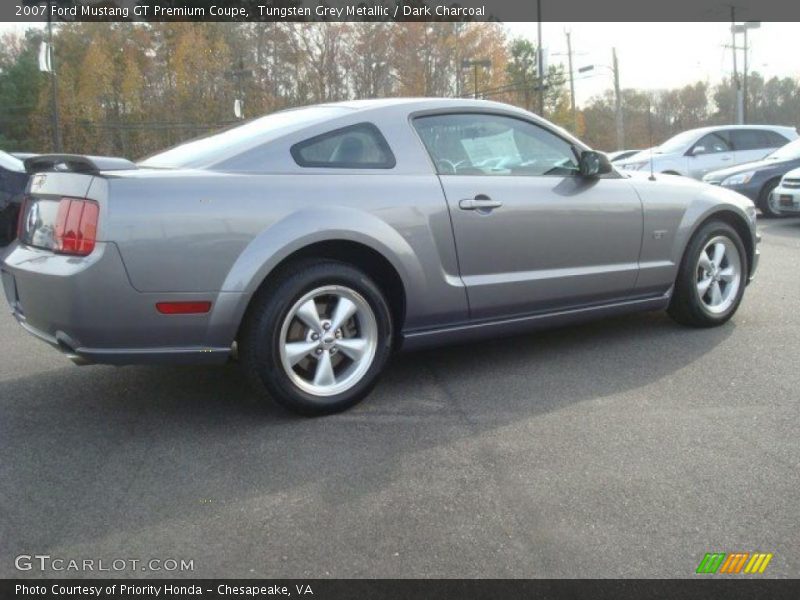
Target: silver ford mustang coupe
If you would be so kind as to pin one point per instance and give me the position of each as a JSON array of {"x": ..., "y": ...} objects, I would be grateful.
[{"x": 314, "y": 242}]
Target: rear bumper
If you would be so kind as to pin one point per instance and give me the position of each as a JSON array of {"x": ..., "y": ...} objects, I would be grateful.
[{"x": 87, "y": 308}]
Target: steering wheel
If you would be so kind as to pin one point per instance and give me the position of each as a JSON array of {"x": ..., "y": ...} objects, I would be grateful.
[{"x": 448, "y": 166}]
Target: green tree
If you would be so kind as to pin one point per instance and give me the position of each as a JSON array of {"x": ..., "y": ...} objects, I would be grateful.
[{"x": 20, "y": 85}]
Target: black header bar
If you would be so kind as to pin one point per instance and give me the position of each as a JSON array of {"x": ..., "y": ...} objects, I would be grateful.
[{"x": 398, "y": 10}]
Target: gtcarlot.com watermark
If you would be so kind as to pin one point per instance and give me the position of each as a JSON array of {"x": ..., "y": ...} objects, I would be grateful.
[{"x": 56, "y": 564}]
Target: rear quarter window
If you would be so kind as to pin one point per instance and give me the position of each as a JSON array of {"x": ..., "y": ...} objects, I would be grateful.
[
  {"x": 774, "y": 139},
  {"x": 748, "y": 139},
  {"x": 360, "y": 146}
]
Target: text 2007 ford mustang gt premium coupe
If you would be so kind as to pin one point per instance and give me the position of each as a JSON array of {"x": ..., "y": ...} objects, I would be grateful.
[{"x": 317, "y": 240}]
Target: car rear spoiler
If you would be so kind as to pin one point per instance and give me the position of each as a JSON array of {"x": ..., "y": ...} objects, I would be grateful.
[{"x": 76, "y": 163}]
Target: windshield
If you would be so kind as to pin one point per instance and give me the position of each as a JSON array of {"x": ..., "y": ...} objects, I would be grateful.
[
  {"x": 9, "y": 162},
  {"x": 217, "y": 147},
  {"x": 788, "y": 152},
  {"x": 677, "y": 143}
]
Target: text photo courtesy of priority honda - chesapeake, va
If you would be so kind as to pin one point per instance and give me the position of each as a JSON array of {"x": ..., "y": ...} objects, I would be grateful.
[{"x": 399, "y": 299}]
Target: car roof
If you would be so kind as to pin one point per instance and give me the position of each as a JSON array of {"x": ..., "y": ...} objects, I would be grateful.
[
  {"x": 778, "y": 128},
  {"x": 421, "y": 103},
  {"x": 380, "y": 111}
]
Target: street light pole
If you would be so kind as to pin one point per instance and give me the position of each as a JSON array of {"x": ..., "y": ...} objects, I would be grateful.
[
  {"x": 744, "y": 77},
  {"x": 540, "y": 57},
  {"x": 737, "y": 92},
  {"x": 618, "y": 102},
  {"x": 571, "y": 84},
  {"x": 744, "y": 28},
  {"x": 54, "y": 98}
]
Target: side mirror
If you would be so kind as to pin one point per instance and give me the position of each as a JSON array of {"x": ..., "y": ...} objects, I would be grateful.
[
  {"x": 593, "y": 164},
  {"x": 697, "y": 150}
]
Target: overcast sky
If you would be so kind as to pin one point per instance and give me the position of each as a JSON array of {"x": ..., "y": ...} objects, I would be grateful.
[
  {"x": 655, "y": 55},
  {"x": 663, "y": 55}
]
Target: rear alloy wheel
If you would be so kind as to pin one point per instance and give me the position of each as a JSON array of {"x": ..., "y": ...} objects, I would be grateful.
[
  {"x": 328, "y": 340},
  {"x": 317, "y": 338},
  {"x": 711, "y": 278}
]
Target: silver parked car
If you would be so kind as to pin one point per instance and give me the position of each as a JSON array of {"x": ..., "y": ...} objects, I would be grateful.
[
  {"x": 785, "y": 199},
  {"x": 316, "y": 241},
  {"x": 696, "y": 152}
]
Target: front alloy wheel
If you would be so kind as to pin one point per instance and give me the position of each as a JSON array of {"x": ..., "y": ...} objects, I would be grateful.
[
  {"x": 719, "y": 274},
  {"x": 711, "y": 277}
]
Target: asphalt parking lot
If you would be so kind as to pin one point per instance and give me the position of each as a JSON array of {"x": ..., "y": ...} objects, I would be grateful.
[{"x": 628, "y": 447}]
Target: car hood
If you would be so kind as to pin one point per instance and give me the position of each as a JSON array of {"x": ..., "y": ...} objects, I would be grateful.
[
  {"x": 793, "y": 173},
  {"x": 757, "y": 165},
  {"x": 687, "y": 186},
  {"x": 643, "y": 156}
]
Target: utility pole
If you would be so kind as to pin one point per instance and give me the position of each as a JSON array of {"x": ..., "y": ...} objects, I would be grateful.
[
  {"x": 466, "y": 63},
  {"x": 744, "y": 76},
  {"x": 540, "y": 57},
  {"x": 743, "y": 28},
  {"x": 571, "y": 84},
  {"x": 54, "y": 98},
  {"x": 737, "y": 91},
  {"x": 618, "y": 102}
]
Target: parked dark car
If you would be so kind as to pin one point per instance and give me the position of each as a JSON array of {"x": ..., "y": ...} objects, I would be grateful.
[
  {"x": 757, "y": 179},
  {"x": 13, "y": 180}
]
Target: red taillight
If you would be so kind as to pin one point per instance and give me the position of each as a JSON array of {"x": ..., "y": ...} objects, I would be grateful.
[
  {"x": 76, "y": 226},
  {"x": 183, "y": 308}
]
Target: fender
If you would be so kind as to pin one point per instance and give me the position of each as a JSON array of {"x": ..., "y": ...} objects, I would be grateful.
[
  {"x": 705, "y": 205},
  {"x": 298, "y": 230}
]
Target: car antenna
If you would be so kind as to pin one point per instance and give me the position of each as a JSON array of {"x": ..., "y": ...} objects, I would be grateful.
[{"x": 650, "y": 134}]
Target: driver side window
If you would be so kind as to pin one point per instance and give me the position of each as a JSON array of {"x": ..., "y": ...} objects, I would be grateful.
[
  {"x": 712, "y": 143},
  {"x": 484, "y": 144}
]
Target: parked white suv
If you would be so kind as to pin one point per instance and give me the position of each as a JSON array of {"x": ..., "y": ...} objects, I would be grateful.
[{"x": 696, "y": 152}]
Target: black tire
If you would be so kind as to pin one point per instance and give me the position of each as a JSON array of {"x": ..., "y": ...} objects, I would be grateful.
[
  {"x": 259, "y": 339},
  {"x": 763, "y": 200},
  {"x": 686, "y": 306}
]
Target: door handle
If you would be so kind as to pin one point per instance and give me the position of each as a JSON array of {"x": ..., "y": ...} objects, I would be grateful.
[
  {"x": 479, "y": 202},
  {"x": 725, "y": 158}
]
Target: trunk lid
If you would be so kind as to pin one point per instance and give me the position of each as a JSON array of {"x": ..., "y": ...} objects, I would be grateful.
[{"x": 58, "y": 176}]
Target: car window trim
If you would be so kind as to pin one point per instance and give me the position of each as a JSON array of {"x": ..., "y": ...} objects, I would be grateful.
[{"x": 390, "y": 163}]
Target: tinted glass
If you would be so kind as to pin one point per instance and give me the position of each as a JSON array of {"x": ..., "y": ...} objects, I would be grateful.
[
  {"x": 712, "y": 143},
  {"x": 678, "y": 143},
  {"x": 215, "y": 148},
  {"x": 749, "y": 139},
  {"x": 355, "y": 147},
  {"x": 774, "y": 139},
  {"x": 474, "y": 144}
]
